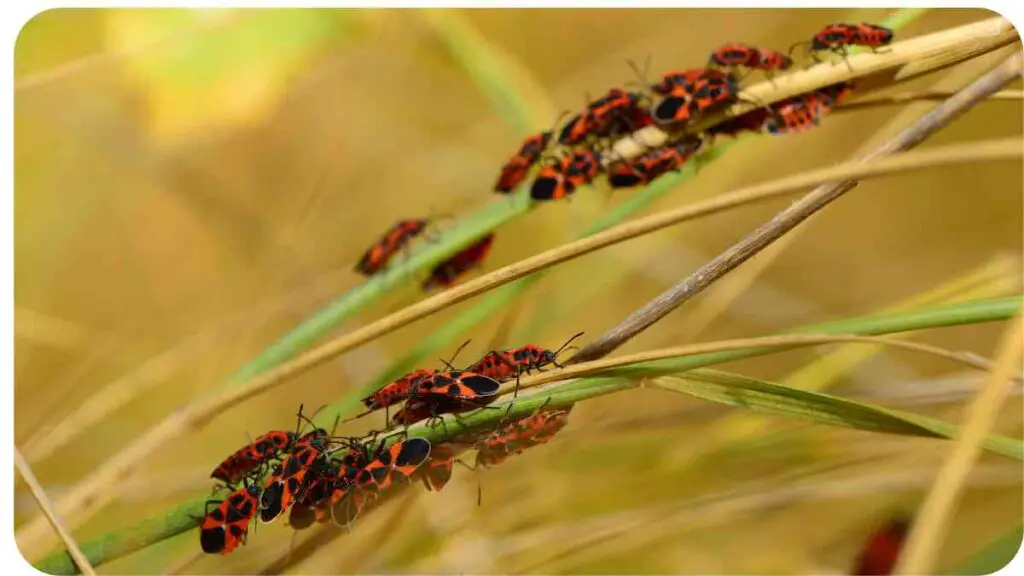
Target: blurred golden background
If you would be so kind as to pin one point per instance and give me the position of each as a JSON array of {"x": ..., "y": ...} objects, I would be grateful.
[{"x": 190, "y": 184}]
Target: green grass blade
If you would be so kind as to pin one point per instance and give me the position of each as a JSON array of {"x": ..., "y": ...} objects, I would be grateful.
[
  {"x": 479, "y": 58},
  {"x": 501, "y": 298},
  {"x": 993, "y": 557},
  {"x": 485, "y": 67},
  {"x": 776, "y": 399},
  {"x": 182, "y": 518}
]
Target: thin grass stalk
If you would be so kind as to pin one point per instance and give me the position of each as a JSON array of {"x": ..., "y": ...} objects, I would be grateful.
[
  {"x": 36, "y": 489},
  {"x": 932, "y": 523},
  {"x": 181, "y": 519},
  {"x": 100, "y": 487},
  {"x": 930, "y": 123}
]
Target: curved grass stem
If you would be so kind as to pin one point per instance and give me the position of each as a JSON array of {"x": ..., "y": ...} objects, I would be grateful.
[
  {"x": 934, "y": 120},
  {"x": 183, "y": 518},
  {"x": 102, "y": 485}
]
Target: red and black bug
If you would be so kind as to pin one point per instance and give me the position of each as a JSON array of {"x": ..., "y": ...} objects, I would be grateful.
[
  {"x": 504, "y": 365},
  {"x": 687, "y": 102},
  {"x": 387, "y": 466},
  {"x": 394, "y": 464},
  {"x": 560, "y": 178},
  {"x": 613, "y": 111},
  {"x": 449, "y": 392},
  {"x": 400, "y": 388},
  {"x": 438, "y": 469},
  {"x": 839, "y": 37},
  {"x": 517, "y": 167},
  {"x": 803, "y": 112},
  {"x": 744, "y": 56},
  {"x": 226, "y": 526},
  {"x": 644, "y": 169},
  {"x": 310, "y": 507},
  {"x": 447, "y": 273},
  {"x": 873, "y": 36},
  {"x": 882, "y": 548},
  {"x": 686, "y": 80},
  {"x": 712, "y": 94},
  {"x": 397, "y": 390},
  {"x": 389, "y": 244},
  {"x": 675, "y": 108},
  {"x": 514, "y": 438},
  {"x": 292, "y": 477},
  {"x": 457, "y": 385},
  {"x": 246, "y": 459}
]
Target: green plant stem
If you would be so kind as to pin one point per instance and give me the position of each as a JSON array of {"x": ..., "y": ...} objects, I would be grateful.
[
  {"x": 501, "y": 298},
  {"x": 995, "y": 556},
  {"x": 184, "y": 517}
]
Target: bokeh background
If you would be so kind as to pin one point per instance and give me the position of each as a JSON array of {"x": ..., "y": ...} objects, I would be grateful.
[{"x": 190, "y": 184}]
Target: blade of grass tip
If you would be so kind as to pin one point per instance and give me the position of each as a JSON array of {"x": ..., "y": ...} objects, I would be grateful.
[
  {"x": 101, "y": 485},
  {"x": 499, "y": 299},
  {"x": 932, "y": 522},
  {"x": 183, "y": 518},
  {"x": 997, "y": 278},
  {"x": 820, "y": 408},
  {"x": 993, "y": 557},
  {"x": 736, "y": 430},
  {"x": 641, "y": 363}
]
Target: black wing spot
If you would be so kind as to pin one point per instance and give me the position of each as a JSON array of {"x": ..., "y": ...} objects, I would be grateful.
[
  {"x": 213, "y": 540},
  {"x": 482, "y": 385},
  {"x": 414, "y": 452}
]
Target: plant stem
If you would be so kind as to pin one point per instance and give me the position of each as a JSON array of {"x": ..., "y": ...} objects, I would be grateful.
[
  {"x": 185, "y": 517},
  {"x": 933, "y": 121}
]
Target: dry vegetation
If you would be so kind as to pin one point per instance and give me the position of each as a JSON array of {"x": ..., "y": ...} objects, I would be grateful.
[{"x": 188, "y": 190}]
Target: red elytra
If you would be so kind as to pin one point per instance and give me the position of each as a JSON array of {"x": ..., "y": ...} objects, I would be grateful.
[
  {"x": 395, "y": 464},
  {"x": 389, "y": 244},
  {"x": 397, "y": 390},
  {"x": 438, "y": 470},
  {"x": 514, "y": 438},
  {"x": 683, "y": 82},
  {"x": 246, "y": 459},
  {"x": 226, "y": 527},
  {"x": 803, "y": 112},
  {"x": 447, "y": 273},
  {"x": 839, "y": 37},
  {"x": 612, "y": 112},
  {"x": 451, "y": 392},
  {"x": 644, "y": 169},
  {"x": 561, "y": 178},
  {"x": 293, "y": 476},
  {"x": 504, "y": 365},
  {"x": 515, "y": 170},
  {"x": 742, "y": 55}
]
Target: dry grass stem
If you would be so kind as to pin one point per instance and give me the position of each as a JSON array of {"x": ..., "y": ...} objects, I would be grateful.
[
  {"x": 933, "y": 121},
  {"x": 908, "y": 97},
  {"x": 102, "y": 486},
  {"x": 51, "y": 515},
  {"x": 783, "y": 342},
  {"x": 932, "y": 523},
  {"x": 896, "y": 63}
]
